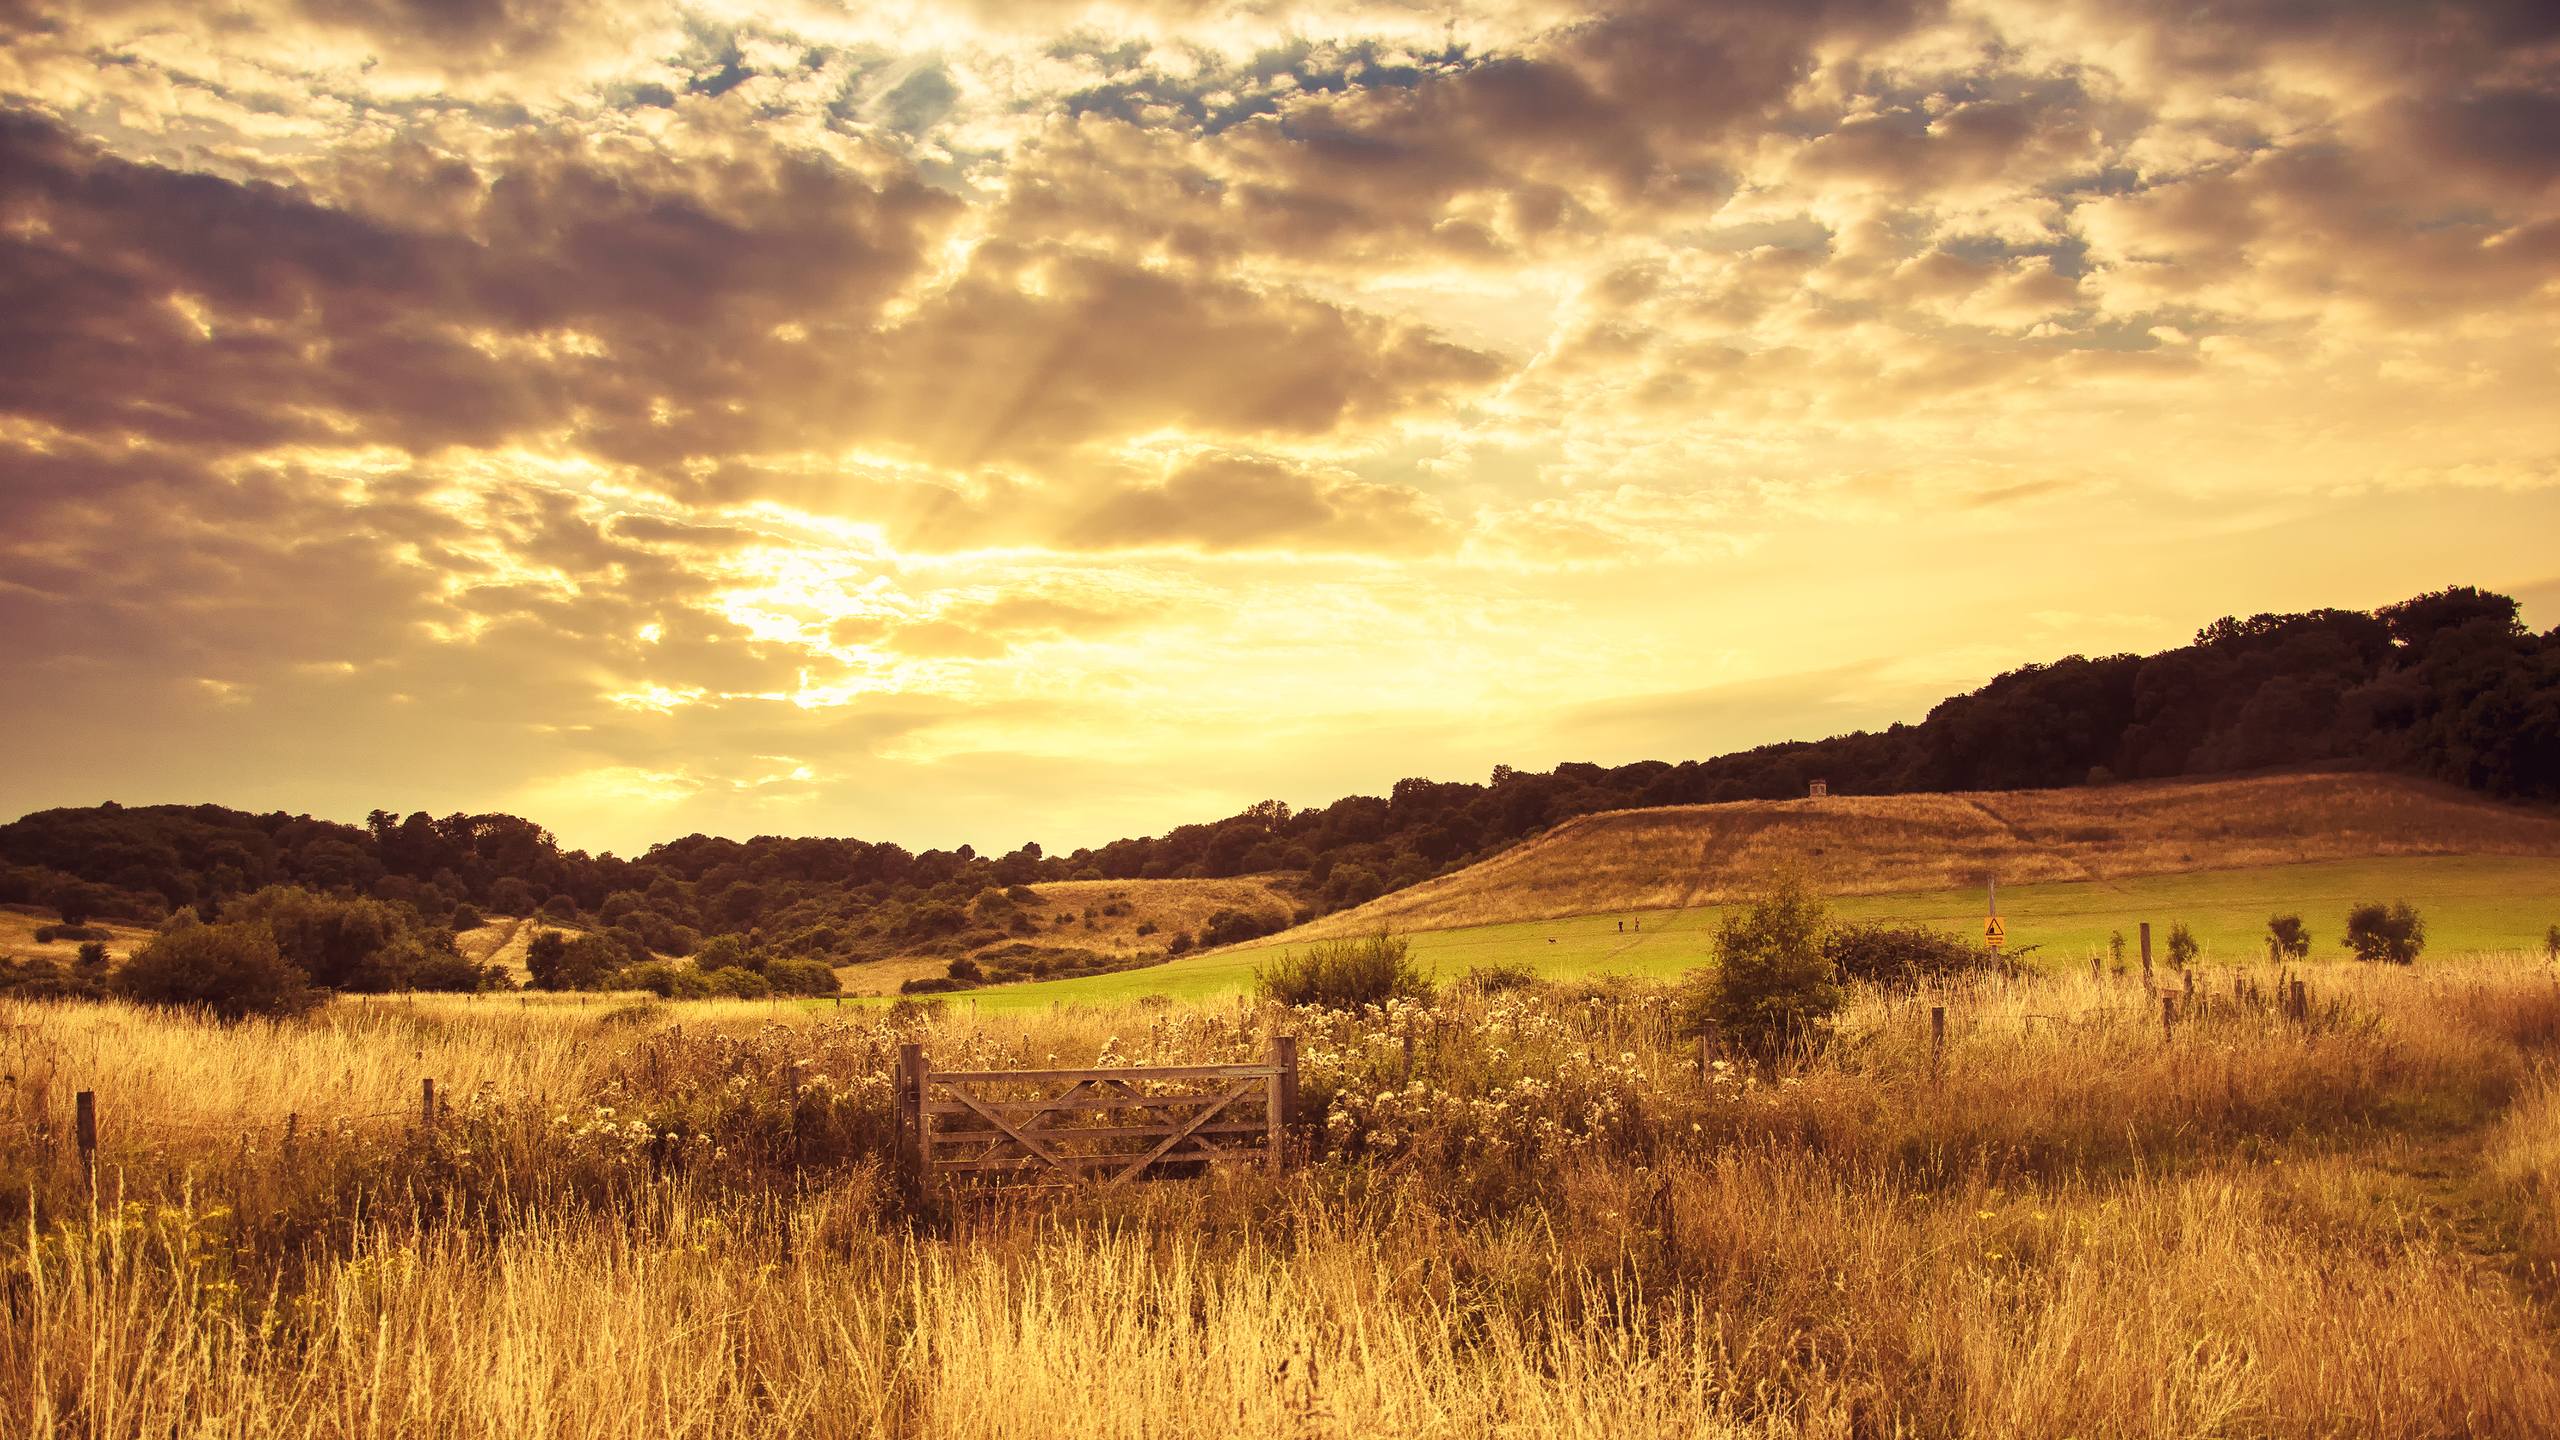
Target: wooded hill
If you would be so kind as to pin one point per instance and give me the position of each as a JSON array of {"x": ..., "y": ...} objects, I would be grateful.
[{"x": 2448, "y": 685}]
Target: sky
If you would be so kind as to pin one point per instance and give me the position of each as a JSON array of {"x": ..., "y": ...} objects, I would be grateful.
[{"x": 982, "y": 421}]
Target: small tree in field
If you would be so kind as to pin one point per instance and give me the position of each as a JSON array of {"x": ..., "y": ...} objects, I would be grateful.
[
  {"x": 233, "y": 970},
  {"x": 2391, "y": 933},
  {"x": 2115, "y": 951},
  {"x": 1772, "y": 985},
  {"x": 2183, "y": 948},
  {"x": 2287, "y": 938}
]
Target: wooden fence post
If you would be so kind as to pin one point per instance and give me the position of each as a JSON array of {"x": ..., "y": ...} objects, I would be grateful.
[
  {"x": 1408, "y": 1053},
  {"x": 2093, "y": 969},
  {"x": 2301, "y": 1002},
  {"x": 2146, "y": 954},
  {"x": 908, "y": 1055},
  {"x": 292, "y": 1131},
  {"x": 427, "y": 1104},
  {"x": 2168, "y": 1017},
  {"x": 84, "y": 1127},
  {"x": 797, "y": 1077},
  {"x": 1281, "y": 1100},
  {"x": 1937, "y": 1038}
]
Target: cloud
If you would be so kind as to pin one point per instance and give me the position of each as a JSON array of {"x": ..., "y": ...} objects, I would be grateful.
[{"x": 1228, "y": 502}]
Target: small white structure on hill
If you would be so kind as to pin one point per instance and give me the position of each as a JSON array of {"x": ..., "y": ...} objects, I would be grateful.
[{"x": 1817, "y": 790}]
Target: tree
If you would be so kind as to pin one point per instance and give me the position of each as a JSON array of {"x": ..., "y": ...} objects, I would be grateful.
[
  {"x": 558, "y": 963},
  {"x": 232, "y": 969},
  {"x": 2287, "y": 938},
  {"x": 1772, "y": 985},
  {"x": 2392, "y": 933}
]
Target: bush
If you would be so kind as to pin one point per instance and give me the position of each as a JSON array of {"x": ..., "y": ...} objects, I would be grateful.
[
  {"x": 2287, "y": 938},
  {"x": 802, "y": 977},
  {"x": 425, "y": 969},
  {"x": 666, "y": 981},
  {"x": 93, "y": 953},
  {"x": 1498, "y": 979},
  {"x": 1904, "y": 957},
  {"x": 932, "y": 985},
  {"x": 232, "y": 969},
  {"x": 2391, "y": 933},
  {"x": 1234, "y": 927},
  {"x": 734, "y": 983},
  {"x": 41, "y": 979},
  {"x": 965, "y": 968},
  {"x": 47, "y": 934},
  {"x": 2183, "y": 948},
  {"x": 464, "y": 917},
  {"x": 560, "y": 907},
  {"x": 1772, "y": 986},
  {"x": 1180, "y": 944},
  {"x": 1344, "y": 974}
]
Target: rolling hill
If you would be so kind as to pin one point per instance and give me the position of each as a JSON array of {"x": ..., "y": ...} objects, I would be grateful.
[
  {"x": 2075, "y": 867},
  {"x": 1683, "y": 856}
]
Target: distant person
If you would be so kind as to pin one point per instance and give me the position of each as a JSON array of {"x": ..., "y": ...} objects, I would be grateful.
[{"x": 1622, "y": 927}]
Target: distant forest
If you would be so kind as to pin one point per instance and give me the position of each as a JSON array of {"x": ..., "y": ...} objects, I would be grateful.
[{"x": 2449, "y": 685}]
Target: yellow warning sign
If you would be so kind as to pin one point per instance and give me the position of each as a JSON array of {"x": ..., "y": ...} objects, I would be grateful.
[{"x": 1993, "y": 932}]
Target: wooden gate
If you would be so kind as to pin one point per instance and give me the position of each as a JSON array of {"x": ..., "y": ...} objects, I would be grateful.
[{"x": 1108, "y": 1125}]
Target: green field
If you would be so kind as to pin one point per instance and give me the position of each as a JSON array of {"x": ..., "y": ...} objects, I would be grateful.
[{"x": 2470, "y": 903}]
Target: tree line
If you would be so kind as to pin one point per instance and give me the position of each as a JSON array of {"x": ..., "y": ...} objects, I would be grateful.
[{"x": 2448, "y": 684}]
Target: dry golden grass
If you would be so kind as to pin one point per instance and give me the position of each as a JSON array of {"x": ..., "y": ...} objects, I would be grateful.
[
  {"x": 1171, "y": 906},
  {"x": 1686, "y": 855},
  {"x": 1161, "y": 909},
  {"x": 18, "y": 937},
  {"x": 2067, "y": 1225}
]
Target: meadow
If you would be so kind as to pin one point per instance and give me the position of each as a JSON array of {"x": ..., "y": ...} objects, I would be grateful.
[
  {"x": 2472, "y": 903},
  {"x": 1558, "y": 1217}
]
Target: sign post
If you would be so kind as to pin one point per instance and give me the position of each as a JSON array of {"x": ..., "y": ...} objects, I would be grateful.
[{"x": 1994, "y": 934}]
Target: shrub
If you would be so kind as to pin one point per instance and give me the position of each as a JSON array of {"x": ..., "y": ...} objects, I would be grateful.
[
  {"x": 1344, "y": 974},
  {"x": 1180, "y": 944},
  {"x": 47, "y": 934},
  {"x": 425, "y": 969},
  {"x": 560, "y": 907},
  {"x": 1498, "y": 979},
  {"x": 2392, "y": 933},
  {"x": 1232, "y": 927},
  {"x": 464, "y": 917},
  {"x": 965, "y": 968},
  {"x": 664, "y": 980},
  {"x": 2287, "y": 938},
  {"x": 2183, "y": 948},
  {"x": 2115, "y": 951},
  {"x": 1149, "y": 927},
  {"x": 93, "y": 953},
  {"x": 932, "y": 985},
  {"x": 41, "y": 979},
  {"x": 1905, "y": 957},
  {"x": 734, "y": 983},
  {"x": 802, "y": 977},
  {"x": 232, "y": 969},
  {"x": 1772, "y": 986}
]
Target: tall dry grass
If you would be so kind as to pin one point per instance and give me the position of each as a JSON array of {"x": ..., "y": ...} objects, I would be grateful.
[{"x": 1555, "y": 1224}]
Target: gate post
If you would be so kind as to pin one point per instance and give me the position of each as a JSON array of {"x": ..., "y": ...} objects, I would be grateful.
[{"x": 1284, "y": 1097}]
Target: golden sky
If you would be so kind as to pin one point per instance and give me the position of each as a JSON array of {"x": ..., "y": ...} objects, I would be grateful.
[{"x": 996, "y": 421}]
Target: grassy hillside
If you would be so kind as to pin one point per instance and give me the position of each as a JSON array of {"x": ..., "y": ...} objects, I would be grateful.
[
  {"x": 1682, "y": 857},
  {"x": 1115, "y": 919},
  {"x": 2471, "y": 903},
  {"x": 18, "y": 928}
]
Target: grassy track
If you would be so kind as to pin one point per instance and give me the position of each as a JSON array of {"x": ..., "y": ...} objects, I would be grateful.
[{"x": 2471, "y": 903}]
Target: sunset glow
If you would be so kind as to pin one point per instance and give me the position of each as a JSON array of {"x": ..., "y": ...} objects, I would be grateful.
[{"x": 980, "y": 421}]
